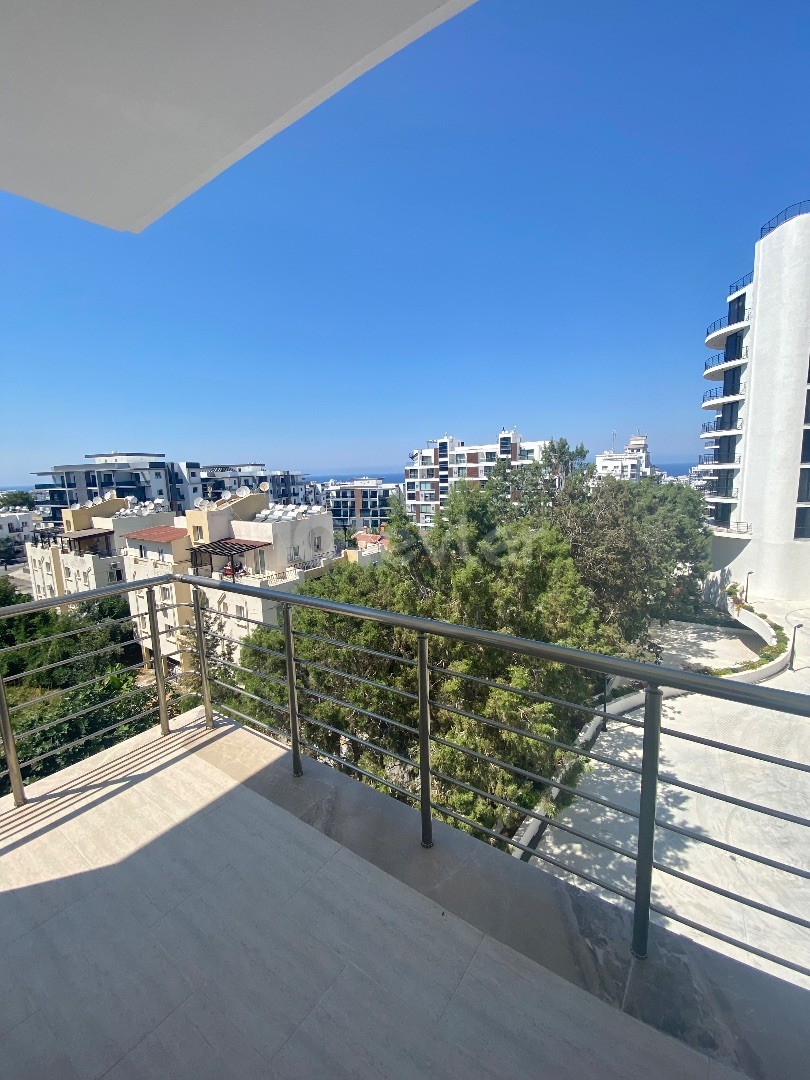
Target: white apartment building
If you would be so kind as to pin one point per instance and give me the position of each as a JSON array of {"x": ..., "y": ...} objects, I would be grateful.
[
  {"x": 86, "y": 552},
  {"x": 757, "y": 444},
  {"x": 18, "y": 523},
  {"x": 245, "y": 539},
  {"x": 433, "y": 470},
  {"x": 363, "y": 503},
  {"x": 632, "y": 463}
]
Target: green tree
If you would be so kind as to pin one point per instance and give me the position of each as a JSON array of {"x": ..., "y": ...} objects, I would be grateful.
[
  {"x": 9, "y": 549},
  {"x": 17, "y": 498}
]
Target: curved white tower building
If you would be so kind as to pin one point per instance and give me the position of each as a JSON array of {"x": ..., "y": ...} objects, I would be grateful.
[{"x": 756, "y": 452}]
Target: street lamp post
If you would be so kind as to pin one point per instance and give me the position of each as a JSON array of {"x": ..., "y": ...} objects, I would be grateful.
[
  {"x": 798, "y": 626},
  {"x": 747, "y": 576}
]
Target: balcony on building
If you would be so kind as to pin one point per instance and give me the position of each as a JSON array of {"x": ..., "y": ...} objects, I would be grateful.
[
  {"x": 713, "y": 429},
  {"x": 737, "y": 320},
  {"x": 722, "y": 395}
]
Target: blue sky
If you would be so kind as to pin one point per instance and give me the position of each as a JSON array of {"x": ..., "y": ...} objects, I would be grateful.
[{"x": 526, "y": 218}]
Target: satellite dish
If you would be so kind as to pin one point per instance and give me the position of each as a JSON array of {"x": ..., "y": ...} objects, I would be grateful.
[
  {"x": 160, "y": 502},
  {"x": 131, "y": 500},
  {"x": 144, "y": 511},
  {"x": 199, "y": 504},
  {"x": 226, "y": 495},
  {"x": 87, "y": 504},
  {"x": 242, "y": 492},
  {"x": 109, "y": 495},
  {"x": 264, "y": 486},
  {"x": 98, "y": 500}
]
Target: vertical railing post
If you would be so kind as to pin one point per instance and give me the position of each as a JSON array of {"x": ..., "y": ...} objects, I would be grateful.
[
  {"x": 10, "y": 749},
  {"x": 157, "y": 660},
  {"x": 202, "y": 656},
  {"x": 424, "y": 740},
  {"x": 292, "y": 691},
  {"x": 646, "y": 822}
]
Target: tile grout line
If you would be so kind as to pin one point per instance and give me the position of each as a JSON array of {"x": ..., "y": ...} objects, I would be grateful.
[
  {"x": 461, "y": 980},
  {"x": 135, "y": 1046},
  {"x": 298, "y": 1027}
]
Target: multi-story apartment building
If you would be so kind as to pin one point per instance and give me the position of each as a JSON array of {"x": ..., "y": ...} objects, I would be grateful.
[
  {"x": 85, "y": 552},
  {"x": 757, "y": 445},
  {"x": 217, "y": 479},
  {"x": 433, "y": 470},
  {"x": 632, "y": 463},
  {"x": 364, "y": 503},
  {"x": 18, "y": 524},
  {"x": 143, "y": 476},
  {"x": 243, "y": 538}
]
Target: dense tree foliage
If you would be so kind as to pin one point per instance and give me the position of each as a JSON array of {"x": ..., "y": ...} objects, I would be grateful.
[
  {"x": 17, "y": 498},
  {"x": 541, "y": 552},
  {"x": 94, "y": 690}
]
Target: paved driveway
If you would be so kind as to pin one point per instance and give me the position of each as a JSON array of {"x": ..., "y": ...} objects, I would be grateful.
[{"x": 784, "y": 789}]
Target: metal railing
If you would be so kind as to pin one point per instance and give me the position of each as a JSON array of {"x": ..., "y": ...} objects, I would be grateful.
[
  {"x": 721, "y": 425},
  {"x": 733, "y": 526},
  {"x": 717, "y": 359},
  {"x": 722, "y": 323},
  {"x": 283, "y": 697},
  {"x": 789, "y": 212},
  {"x": 721, "y": 392},
  {"x": 713, "y": 459},
  {"x": 713, "y": 493},
  {"x": 740, "y": 283}
]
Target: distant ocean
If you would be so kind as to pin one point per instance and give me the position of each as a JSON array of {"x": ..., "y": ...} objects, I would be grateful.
[{"x": 673, "y": 468}]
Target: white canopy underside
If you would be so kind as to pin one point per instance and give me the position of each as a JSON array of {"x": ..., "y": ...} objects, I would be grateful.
[{"x": 116, "y": 110}]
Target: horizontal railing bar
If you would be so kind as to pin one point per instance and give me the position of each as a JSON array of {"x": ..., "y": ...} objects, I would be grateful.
[
  {"x": 536, "y": 777},
  {"x": 357, "y": 768},
  {"x": 102, "y": 625},
  {"x": 44, "y": 698},
  {"x": 538, "y": 738},
  {"x": 28, "y": 732},
  {"x": 736, "y": 897},
  {"x": 256, "y": 697},
  {"x": 118, "y": 589},
  {"x": 252, "y": 720},
  {"x": 531, "y": 694},
  {"x": 86, "y": 738},
  {"x": 711, "y": 841},
  {"x": 635, "y": 670},
  {"x": 357, "y": 678},
  {"x": 267, "y": 677},
  {"x": 744, "y": 945},
  {"x": 742, "y": 751},
  {"x": 478, "y": 827},
  {"x": 246, "y": 644},
  {"x": 356, "y": 708},
  {"x": 732, "y": 799},
  {"x": 525, "y": 811},
  {"x": 324, "y": 640},
  {"x": 68, "y": 660},
  {"x": 359, "y": 739}
]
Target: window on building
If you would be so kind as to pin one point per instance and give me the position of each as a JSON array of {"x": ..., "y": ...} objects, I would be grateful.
[
  {"x": 807, "y": 408},
  {"x": 160, "y": 491},
  {"x": 197, "y": 532},
  {"x": 736, "y": 309},
  {"x": 804, "y": 486},
  {"x": 115, "y": 575},
  {"x": 194, "y": 490},
  {"x": 425, "y": 460},
  {"x": 461, "y": 472},
  {"x": 68, "y": 573},
  {"x": 240, "y": 611},
  {"x": 806, "y": 448},
  {"x": 526, "y": 454},
  {"x": 802, "y": 529},
  {"x": 292, "y": 554},
  {"x": 316, "y": 543},
  {"x": 165, "y": 592},
  {"x": 157, "y": 475},
  {"x": 490, "y": 455},
  {"x": 426, "y": 485},
  {"x": 86, "y": 577},
  {"x": 487, "y": 470}
]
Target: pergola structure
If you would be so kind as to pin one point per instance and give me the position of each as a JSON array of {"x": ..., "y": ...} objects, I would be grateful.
[{"x": 201, "y": 556}]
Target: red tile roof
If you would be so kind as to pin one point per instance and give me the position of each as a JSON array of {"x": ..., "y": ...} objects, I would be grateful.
[{"x": 158, "y": 534}]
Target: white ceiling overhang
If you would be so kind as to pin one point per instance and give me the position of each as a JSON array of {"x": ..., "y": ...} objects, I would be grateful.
[{"x": 116, "y": 110}]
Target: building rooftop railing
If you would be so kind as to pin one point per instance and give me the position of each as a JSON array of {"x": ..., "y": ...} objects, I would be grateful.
[
  {"x": 789, "y": 212},
  {"x": 740, "y": 283},
  {"x": 279, "y": 684}
]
